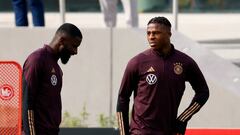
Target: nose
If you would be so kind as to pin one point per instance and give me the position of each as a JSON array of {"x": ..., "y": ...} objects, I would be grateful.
[{"x": 152, "y": 36}]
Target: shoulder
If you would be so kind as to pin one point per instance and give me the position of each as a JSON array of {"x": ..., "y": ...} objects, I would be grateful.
[
  {"x": 134, "y": 63},
  {"x": 137, "y": 59},
  {"x": 38, "y": 54},
  {"x": 36, "y": 57},
  {"x": 186, "y": 58}
]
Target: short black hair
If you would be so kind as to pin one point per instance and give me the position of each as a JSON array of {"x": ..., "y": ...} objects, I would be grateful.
[
  {"x": 69, "y": 29},
  {"x": 161, "y": 20}
]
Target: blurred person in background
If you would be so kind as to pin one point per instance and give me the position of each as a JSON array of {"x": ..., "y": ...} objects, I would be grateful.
[
  {"x": 21, "y": 10},
  {"x": 109, "y": 9}
]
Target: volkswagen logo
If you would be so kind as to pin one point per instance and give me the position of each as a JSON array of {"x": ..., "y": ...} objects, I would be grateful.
[{"x": 151, "y": 79}]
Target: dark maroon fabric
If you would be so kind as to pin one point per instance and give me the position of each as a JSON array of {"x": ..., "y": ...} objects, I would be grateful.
[
  {"x": 158, "y": 83},
  {"x": 41, "y": 90}
]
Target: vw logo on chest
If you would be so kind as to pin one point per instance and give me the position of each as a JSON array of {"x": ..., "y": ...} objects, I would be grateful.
[{"x": 151, "y": 79}]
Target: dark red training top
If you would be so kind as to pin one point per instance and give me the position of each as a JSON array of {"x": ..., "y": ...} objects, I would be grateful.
[
  {"x": 158, "y": 83},
  {"x": 42, "y": 83}
]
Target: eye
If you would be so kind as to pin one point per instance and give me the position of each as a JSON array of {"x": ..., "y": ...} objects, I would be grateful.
[{"x": 148, "y": 33}]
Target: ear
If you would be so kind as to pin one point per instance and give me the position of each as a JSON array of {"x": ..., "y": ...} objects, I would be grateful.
[
  {"x": 60, "y": 43},
  {"x": 61, "y": 39}
]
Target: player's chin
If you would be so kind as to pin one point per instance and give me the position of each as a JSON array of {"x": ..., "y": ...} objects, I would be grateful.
[
  {"x": 65, "y": 59},
  {"x": 154, "y": 46}
]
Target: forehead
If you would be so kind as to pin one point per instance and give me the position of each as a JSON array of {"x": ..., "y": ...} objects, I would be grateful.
[
  {"x": 156, "y": 26},
  {"x": 74, "y": 39}
]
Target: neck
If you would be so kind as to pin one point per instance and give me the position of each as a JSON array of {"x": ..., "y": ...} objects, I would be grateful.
[
  {"x": 165, "y": 50},
  {"x": 53, "y": 45}
]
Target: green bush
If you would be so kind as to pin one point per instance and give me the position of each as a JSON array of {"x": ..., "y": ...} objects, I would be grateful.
[
  {"x": 107, "y": 121},
  {"x": 71, "y": 121}
]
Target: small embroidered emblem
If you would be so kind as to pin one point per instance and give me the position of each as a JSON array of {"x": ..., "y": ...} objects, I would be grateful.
[{"x": 178, "y": 69}]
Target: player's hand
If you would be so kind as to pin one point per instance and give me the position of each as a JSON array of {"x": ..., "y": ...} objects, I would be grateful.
[{"x": 180, "y": 127}]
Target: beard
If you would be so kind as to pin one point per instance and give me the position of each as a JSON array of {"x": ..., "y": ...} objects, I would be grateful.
[{"x": 65, "y": 56}]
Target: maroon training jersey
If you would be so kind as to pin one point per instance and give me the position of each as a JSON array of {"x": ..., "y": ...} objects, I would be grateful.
[
  {"x": 158, "y": 83},
  {"x": 42, "y": 83}
]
